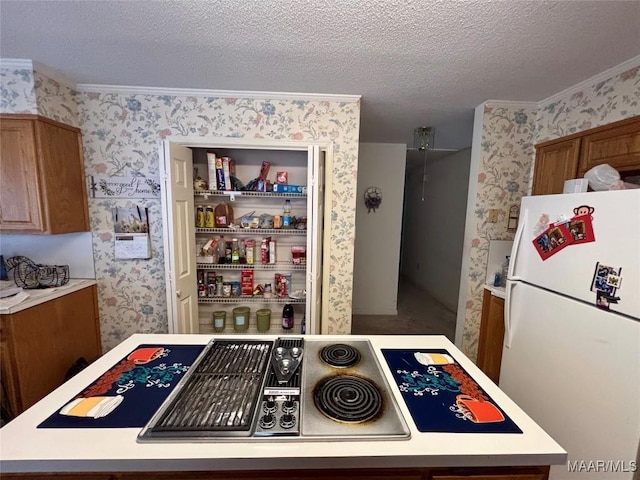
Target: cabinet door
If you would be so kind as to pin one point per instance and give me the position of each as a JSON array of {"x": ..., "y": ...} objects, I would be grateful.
[
  {"x": 618, "y": 147},
  {"x": 491, "y": 336},
  {"x": 19, "y": 179},
  {"x": 554, "y": 164},
  {"x": 63, "y": 191},
  {"x": 42, "y": 342}
]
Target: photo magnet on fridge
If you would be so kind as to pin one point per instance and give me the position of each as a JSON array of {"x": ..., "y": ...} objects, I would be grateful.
[
  {"x": 552, "y": 240},
  {"x": 581, "y": 229},
  {"x": 605, "y": 283}
]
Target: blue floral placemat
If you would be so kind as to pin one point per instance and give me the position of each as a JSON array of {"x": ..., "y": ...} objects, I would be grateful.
[
  {"x": 130, "y": 392},
  {"x": 442, "y": 397}
]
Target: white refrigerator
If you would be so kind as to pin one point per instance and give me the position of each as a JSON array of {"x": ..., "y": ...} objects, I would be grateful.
[{"x": 571, "y": 356}]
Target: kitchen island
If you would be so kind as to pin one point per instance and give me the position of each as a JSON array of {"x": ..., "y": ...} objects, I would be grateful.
[{"x": 115, "y": 453}]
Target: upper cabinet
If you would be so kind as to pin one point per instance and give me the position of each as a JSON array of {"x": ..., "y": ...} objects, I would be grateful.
[
  {"x": 616, "y": 144},
  {"x": 555, "y": 163},
  {"x": 42, "y": 182}
]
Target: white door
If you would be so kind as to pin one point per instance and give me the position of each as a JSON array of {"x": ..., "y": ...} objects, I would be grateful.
[
  {"x": 179, "y": 245},
  {"x": 575, "y": 370},
  {"x": 315, "y": 233}
]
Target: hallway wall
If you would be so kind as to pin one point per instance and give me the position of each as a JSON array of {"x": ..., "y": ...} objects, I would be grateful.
[
  {"x": 377, "y": 245},
  {"x": 433, "y": 229}
]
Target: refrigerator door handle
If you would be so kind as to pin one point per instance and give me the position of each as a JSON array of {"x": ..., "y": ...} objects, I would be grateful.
[
  {"x": 507, "y": 314},
  {"x": 516, "y": 246}
]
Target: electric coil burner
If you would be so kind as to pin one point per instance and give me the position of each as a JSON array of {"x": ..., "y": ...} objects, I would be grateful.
[
  {"x": 340, "y": 355},
  {"x": 347, "y": 398},
  {"x": 345, "y": 394}
]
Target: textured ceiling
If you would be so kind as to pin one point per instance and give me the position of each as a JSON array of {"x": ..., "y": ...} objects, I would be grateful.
[{"x": 414, "y": 62}]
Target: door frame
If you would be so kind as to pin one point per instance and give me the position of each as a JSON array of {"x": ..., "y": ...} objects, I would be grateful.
[{"x": 260, "y": 144}]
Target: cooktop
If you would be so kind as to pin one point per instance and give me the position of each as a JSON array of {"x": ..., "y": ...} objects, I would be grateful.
[{"x": 293, "y": 388}]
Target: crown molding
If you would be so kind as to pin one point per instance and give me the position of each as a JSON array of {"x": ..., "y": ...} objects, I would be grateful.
[
  {"x": 130, "y": 90},
  {"x": 600, "y": 77},
  {"x": 16, "y": 63},
  {"x": 511, "y": 103}
]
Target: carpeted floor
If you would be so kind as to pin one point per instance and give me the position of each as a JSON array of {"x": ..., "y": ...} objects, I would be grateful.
[{"x": 418, "y": 314}]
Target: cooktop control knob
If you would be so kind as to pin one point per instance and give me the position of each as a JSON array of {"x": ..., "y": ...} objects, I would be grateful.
[
  {"x": 270, "y": 406},
  {"x": 267, "y": 421},
  {"x": 287, "y": 420},
  {"x": 288, "y": 406}
]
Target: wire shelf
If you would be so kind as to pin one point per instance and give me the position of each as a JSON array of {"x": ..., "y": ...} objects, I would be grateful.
[
  {"x": 256, "y": 266},
  {"x": 250, "y": 299},
  {"x": 253, "y": 231},
  {"x": 217, "y": 193}
]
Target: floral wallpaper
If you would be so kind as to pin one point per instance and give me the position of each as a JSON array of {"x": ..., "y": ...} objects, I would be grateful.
[
  {"x": 55, "y": 100},
  {"x": 121, "y": 135},
  {"x": 508, "y": 135},
  {"x": 605, "y": 101},
  {"x": 17, "y": 91},
  {"x": 506, "y": 165}
]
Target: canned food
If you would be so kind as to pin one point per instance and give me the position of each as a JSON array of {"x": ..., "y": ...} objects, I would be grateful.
[
  {"x": 199, "y": 216},
  {"x": 209, "y": 217}
]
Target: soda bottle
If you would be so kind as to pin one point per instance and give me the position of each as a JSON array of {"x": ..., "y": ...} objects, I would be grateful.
[
  {"x": 286, "y": 217},
  {"x": 222, "y": 245},
  {"x": 235, "y": 251},
  {"x": 287, "y": 317}
]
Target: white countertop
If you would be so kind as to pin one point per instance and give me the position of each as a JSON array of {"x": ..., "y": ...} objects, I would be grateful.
[
  {"x": 37, "y": 296},
  {"x": 24, "y": 448},
  {"x": 499, "y": 292}
]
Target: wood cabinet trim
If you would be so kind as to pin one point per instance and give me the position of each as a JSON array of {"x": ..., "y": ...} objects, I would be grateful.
[
  {"x": 590, "y": 131},
  {"x": 40, "y": 118}
]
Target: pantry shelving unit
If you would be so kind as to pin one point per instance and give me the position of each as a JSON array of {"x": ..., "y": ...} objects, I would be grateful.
[{"x": 193, "y": 313}]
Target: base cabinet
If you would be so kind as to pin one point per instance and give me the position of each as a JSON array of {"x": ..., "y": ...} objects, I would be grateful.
[
  {"x": 40, "y": 344},
  {"x": 491, "y": 336},
  {"x": 467, "y": 473}
]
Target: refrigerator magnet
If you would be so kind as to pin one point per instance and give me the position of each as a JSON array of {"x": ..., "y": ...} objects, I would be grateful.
[
  {"x": 606, "y": 279},
  {"x": 552, "y": 240},
  {"x": 581, "y": 229}
]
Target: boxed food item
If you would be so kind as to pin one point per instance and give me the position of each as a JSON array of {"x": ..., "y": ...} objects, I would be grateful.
[
  {"x": 278, "y": 188},
  {"x": 282, "y": 284},
  {"x": 246, "y": 282}
]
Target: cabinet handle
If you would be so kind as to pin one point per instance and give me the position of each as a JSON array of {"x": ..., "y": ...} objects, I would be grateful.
[{"x": 178, "y": 293}]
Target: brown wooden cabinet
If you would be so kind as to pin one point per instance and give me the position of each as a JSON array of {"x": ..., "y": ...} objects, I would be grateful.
[
  {"x": 39, "y": 345},
  {"x": 42, "y": 182},
  {"x": 540, "y": 472},
  {"x": 616, "y": 144},
  {"x": 555, "y": 163},
  {"x": 491, "y": 336}
]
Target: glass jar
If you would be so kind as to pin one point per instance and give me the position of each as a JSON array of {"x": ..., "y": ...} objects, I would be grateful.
[
  {"x": 241, "y": 318},
  {"x": 219, "y": 320},
  {"x": 264, "y": 319}
]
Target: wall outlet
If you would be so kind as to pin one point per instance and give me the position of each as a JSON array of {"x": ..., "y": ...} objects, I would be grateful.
[{"x": 493, "y": 215}]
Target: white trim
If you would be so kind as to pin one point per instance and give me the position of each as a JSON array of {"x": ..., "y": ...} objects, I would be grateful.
[
  {"x": 54, "y": 75},
  {"x": 471, "y": 223},
  {"x": 247, "y": 143},
  {"x": 602, "y": 76},
  {"x": 87, "y": 87},
  {"x": 16, "y": 63},
  {"x": 512, "y": 103}
]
